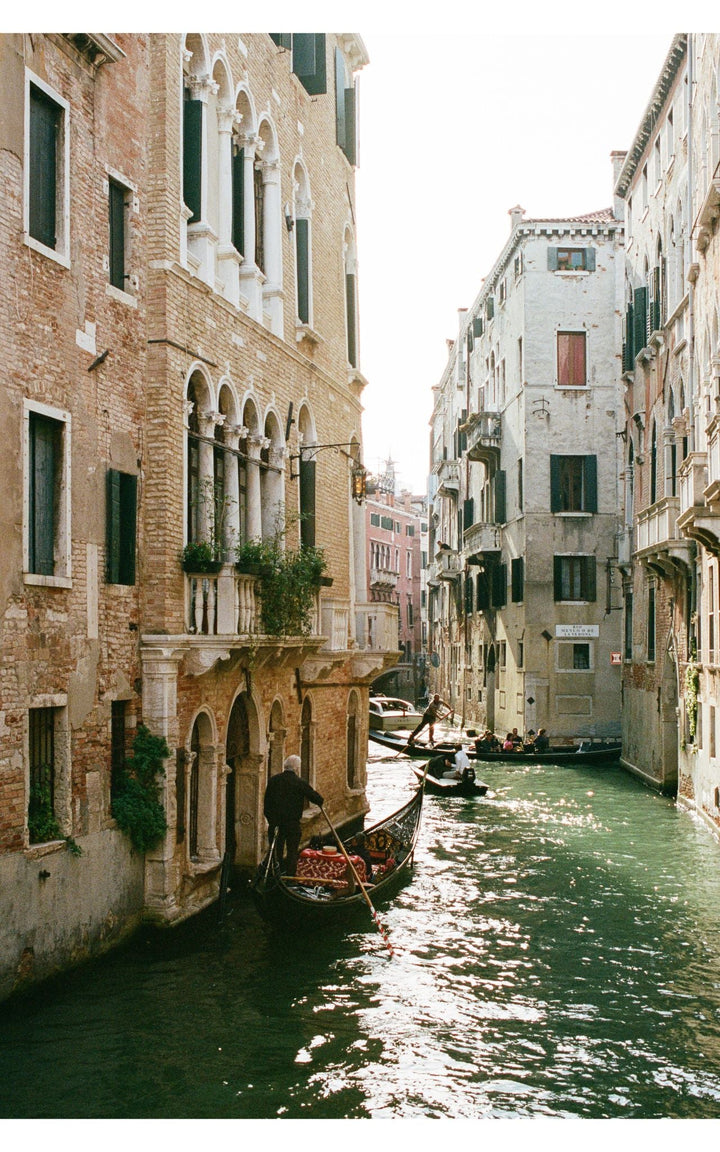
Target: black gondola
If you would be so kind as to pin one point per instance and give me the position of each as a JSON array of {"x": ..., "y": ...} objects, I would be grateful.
[
  {"x": 390, "y": 845},
  {"x": 590, "y": 754},
  {"x": 469, "y": 785}
]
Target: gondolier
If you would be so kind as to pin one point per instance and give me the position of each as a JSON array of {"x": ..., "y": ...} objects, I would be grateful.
[
  {"x": 430, "y": 717},
  {"x": 285, "y": 798}
]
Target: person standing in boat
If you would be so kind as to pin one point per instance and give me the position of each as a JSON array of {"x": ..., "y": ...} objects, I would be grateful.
[
  {"x": 430, "y": 717},
  {"x": 541, "y": 743},
  {"x": 283, "y": 805}
]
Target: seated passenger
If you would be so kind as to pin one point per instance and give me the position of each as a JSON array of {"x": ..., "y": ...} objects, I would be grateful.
[{"x": 541, "y": 741}]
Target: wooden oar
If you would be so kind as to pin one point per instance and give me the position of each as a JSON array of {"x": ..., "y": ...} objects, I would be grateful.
[{"x": 354, "y": 871}]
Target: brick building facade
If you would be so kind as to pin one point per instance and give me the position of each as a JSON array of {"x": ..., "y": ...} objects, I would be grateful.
[{"x": 180, "y": 331}]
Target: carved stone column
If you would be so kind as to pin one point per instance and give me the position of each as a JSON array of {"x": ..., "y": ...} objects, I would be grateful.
[
  {"x": 272, "y": 238},
  {"x": 159, "y": 707},
  {"x": 250, "y": 277},
  {"x": 250, "y": 827},
  {"x": 228, "y": 258},
  {"x": 272, "y": 483},
  {"x": 254, "y": 525}
]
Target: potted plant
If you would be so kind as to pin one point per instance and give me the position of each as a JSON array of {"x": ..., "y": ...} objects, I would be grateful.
[
  {"x": 255, "y": 557},
  {"x": 200, "y": 556}
]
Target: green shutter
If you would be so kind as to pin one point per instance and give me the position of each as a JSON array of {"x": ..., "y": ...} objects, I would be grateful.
[
  {"x": 351, "y": 319},
  {"x": 557, "y": 577},
  {"x": 517, "y": 578},
  {"x": 45, "y": 121},
  {"x": 590, "y": 486},
  {"x": 591, "y": 577},
  {"x": 117, "y": 235},
  {"x": 128, "y": 527},
  {"x": 112, "y": 545},
  {"x": 468, "y": 595},
  {"x": 589, "y": 259},
  {"x": 282, "y": 39},
  {"x": 192, "y": 157},
  {"x": 309, "y": 61},
  {"x": 44, "y": 463},
  {"x": 499, "y": 585},
  {"x": 238, "y": 201},
  {"x": 500, "y": 502},
  {"x": 468, "y": 513},
  {"x": 307, "y": 502},
  {"x": 477, "y": 326},
  {"x": 302, "y": 255},
  {"x": 639, "y": 319},
  {"x": 340, "y": 125},
  {"x": 555, "y": 491},
  {"x": 552, "y": 259},
  {"x": 351, "y": 125}
]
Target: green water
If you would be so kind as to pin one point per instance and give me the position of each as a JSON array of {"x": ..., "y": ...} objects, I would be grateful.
[{"x": 557, "y": 955}]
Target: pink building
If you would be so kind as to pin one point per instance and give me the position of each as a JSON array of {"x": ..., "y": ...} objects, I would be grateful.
[{"x": 396, "y": 555}]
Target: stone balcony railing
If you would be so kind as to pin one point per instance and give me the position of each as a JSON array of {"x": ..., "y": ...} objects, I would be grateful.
[
  {"x": 377, "y": 627},
  {"x": 447, "y": 565},
  {"x": 711, "y": 493},
  {"x": 484, "y": 436},
  {"x": 659, "y": 542},
  {"x": 699, "y": 516},
  {"x": 383, "y": 578},
  {"x": 222, "y": 604},
  {"x": 448, "y": 477},
  {"x": 692, "y": 481},
  {"x": 479, "y": 539}
]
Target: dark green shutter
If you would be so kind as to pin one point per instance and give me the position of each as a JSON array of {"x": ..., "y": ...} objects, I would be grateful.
[
  {"x": 351, "y": 319},
  {"x": 303, "y": 270},
  {"x": 468, "y": 595},
  {"x": 282, "y": 39},
  {"x": 45, "y": 121},
  {"x": 552, "y": 259},
  {"x": 44, "y": 463},
  {"x": 557, "y": 577},
  {"x": 499, "y": 585},
  {"x": 590, "y": 577},
  {"x": 639, "y": 319},
  {"x": 112, "y": 557},
  {"x": 482, "y": 591},
  {"x": 468, "y": 513},
  {"x": 500, "y": 502},
  {"x": 590, "y": 486},
  {"x": 309, "y": 61},
  {"x": 307, "y": 502},
  {"x": 192, "y": 157},
  {"x": 340, "y": 125},
  {"x": 117, "y": 235},
  {"x": 477, "y": 326},
  {"x": 555, "y": 491},
  {"x": 490, "y": 307},
  {"x": 128, "y": 527},
  {"x": 351, "y": 125},
  {"x": 590, "y": 259},
  {"x": 517, "y": 578},
  {"x": 238, "y": 201}
]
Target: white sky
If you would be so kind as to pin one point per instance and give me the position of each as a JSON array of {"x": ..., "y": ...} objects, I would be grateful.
[{"x": 454, "y": 131}]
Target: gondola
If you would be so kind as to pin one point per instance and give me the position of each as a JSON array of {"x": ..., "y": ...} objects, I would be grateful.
[
  {"x": 468, "y": 786},
  {"x": 591, "y": 754},
  {"x": 325, "y": 891}
]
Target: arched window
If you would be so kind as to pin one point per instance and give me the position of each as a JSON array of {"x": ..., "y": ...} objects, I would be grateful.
[
  {"x": 200, "y": 431},
  {"x": 202, "y": 793},
  {"x": 303, "y": 246},
  {"x": 268, "y": 223},
  {"x": 351, "y": 323},
  {"x": 272, "y": 477},
  {"x": 306, "y": 740},
  {"x": 306, "y": 428},
  {"x": 276, "y": 741}
]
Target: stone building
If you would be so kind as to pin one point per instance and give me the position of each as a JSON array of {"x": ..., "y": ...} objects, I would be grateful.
[
  {"x": 524, "y": 466},
  {"x": 657, "y": 559},
  {"x": 181, "y": 340}
]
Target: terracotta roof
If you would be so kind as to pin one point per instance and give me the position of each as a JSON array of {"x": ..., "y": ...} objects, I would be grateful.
[{"x": 603, "y": 216}]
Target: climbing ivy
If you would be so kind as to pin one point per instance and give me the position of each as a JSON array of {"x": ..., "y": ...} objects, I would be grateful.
[
  {"x": 692, "y": 683},
  {"x": 136, "y": 805}
]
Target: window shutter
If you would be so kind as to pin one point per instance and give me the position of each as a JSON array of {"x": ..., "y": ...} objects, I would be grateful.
[
  {"x": 500, "y": 503},
  {"x": 477, "y": 326},
  {"x": 552, "y": 259},
  {"x": 192, "y": 157},
  {"x": 468, "y": 595},
  {"x": 45, "y": 117},
  {"x": 557, "y": 577},
  {"x": 589, "y": 259},
  {"x": 117, "y": 235},
  {"x": 482, "y": 592},
  {"x": 591, "y": 501},
  {"x": 499, "y": 585},
  {"x": 351, "y": 125},
  {"x": 303, "y": 270},
  {"x": 468, "y": 513},
  {"x": 238, "y": 201},
  {"x": 517, "y": 577},
  {"x": 282, "y": 39},
  {"x": 490, "y": 307},
  {"x": 307, "y": 503},
  {"x": 340, "y": 124},
  {"x": 112, "y": 548},
  {"x": 351, "y": 319},
  {"x": 591, "y": 578},
  {"x": 44, "y": 460},
  {"x": 128, "y": 527},
  {"x": 555, "y": 492},
  {"x": 639, "y": 319},
  {"x": 628, "y": 346},
  {"x": 309, "y": 61}
]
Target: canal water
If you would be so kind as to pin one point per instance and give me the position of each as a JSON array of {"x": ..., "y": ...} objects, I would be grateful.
[{"x": 557, "y": 955}]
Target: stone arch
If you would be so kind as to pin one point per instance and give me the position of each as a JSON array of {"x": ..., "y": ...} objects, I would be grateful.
[
  {"x": 276, "y": 738},
  {"x": 268, "y": 221},
  {"x": 307, "y": 741},
  {"x": 250, "y": 447},
  {"x": 200, "y": 426},
  {"x": 308, "y": 437},
  {"x": 201, "y": 791},
  {"x": 272, "y": 476},
  {"x": 245, "y": 754},
  {"x": 301, "y": 215}
]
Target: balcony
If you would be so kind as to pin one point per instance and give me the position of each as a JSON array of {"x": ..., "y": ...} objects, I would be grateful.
[
  {"x": 447, "y": 565},
  {"x": 660, "y": 543},
  {"x": 484, "y": 435},
  {"x": 712, "y": 492},
  {"x": 448, "y": 477},
  {"x": 383, "y": 578},
  {"x": 697, "y": 519},
  {"x": 481, "y": 539},
  {"x": 222, "y": 604},
  {"x": 704, "y": 225}
]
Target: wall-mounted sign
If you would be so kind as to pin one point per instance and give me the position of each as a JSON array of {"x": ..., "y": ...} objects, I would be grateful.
[
  {"x": 577, "y": 631},
  {"x": 615, "y": 658}
]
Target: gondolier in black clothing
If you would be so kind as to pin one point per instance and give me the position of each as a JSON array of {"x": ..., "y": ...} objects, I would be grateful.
[
  {"x": 430, "y": 716},
  {"x": 285, "y": 798}
]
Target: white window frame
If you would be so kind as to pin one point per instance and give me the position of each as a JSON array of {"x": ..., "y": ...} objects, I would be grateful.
[
  {"x": 61, "y": 254},
  {"x": 62, "y": 577},
  {"x": 62, "y": 807}
]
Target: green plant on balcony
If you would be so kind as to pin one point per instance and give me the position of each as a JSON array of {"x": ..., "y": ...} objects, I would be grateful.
[
  {"x": 207, "y": 555},
  {"x": 200, "y": 556},
  {"x": 288, "y": 581},
  {"x": 136, "y": 805}
]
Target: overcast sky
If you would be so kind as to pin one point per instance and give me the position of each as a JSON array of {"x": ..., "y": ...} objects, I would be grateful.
[{"x": 455, "y": 129}]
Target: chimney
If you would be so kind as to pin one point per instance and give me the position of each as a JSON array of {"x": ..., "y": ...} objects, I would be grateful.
[
  {"x": 516, "y": 214},
  {"x": 617, "y": 159}
]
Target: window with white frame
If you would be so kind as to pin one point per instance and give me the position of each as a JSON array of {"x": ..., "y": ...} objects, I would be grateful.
[
  {"x": 47, "y": 170},
  {"x": 46, "y": 523}
]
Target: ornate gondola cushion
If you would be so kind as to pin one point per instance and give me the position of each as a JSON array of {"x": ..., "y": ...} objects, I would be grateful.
[{"x": 327, "y": 865}]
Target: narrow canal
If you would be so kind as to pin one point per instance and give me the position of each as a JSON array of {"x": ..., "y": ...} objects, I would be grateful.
[{"x": 558, "y": 955}]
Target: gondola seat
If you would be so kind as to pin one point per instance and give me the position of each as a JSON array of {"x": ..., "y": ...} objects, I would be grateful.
[{"x": 329, "y": 867}]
